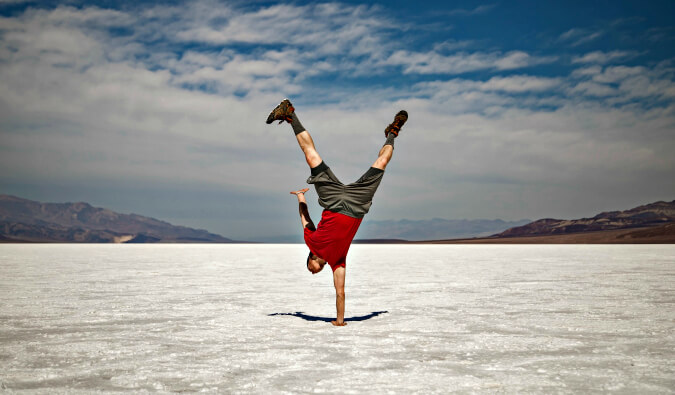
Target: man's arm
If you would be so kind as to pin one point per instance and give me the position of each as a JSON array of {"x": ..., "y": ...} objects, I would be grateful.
[
  {"x": 339, "y": 282},
  {"x": 304, "y": 213}
]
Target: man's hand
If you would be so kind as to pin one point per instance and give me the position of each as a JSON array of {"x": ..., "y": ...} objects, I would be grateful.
[
  {"x": 298, "y": 192},
  {"x": 335, "y": 323}
]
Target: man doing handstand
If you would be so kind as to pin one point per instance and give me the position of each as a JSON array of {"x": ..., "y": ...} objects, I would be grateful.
[{"x": 344, "y": 205}]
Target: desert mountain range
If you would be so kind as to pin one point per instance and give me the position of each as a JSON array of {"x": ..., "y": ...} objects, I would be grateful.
[
  {"x": 23, "y": 220},
  {"x": 649, "y": 215},
  {"x": 27, "y": 220},
  {"x": 651, "y": 223}
]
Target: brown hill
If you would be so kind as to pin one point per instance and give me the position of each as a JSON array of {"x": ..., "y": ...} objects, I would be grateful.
[
  {"x": 27, "y": 220},
  {"x": 663, "y": 234},
  {"x": 650, "y": 215}
]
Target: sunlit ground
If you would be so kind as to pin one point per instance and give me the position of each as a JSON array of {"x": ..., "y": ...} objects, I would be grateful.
[{"x": 250, "y": 318}]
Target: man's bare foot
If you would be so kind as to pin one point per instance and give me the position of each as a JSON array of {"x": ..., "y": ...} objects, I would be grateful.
[
  {"x": 335, "y": 323},
  {"x": 296, "y": 193}
]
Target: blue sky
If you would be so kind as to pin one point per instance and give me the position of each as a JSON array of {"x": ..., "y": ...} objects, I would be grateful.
[{"x": 517, "y": 109}]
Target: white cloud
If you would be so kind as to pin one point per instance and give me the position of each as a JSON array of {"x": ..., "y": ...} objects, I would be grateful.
[
  {"x": 590, "y": 88},
  {"x": 519, "y": 59},
  {"x": 325, "y": 29},
  {"x": 88, "y": 104},
  {"x": 570, "y": 34},
  {"x": 91, "y": 15},
  {"x": 617, "y": 74},
  {"x": 451, "y": 45},
  {"x": 587, "y": 71},
  {"x": 520, "y": 84},
  {"x": 435, "y": 63},
  {"x": 660, "y": 34},
  {"x": 577, "y": 36},
  {"x": 474, "y": 11},
  {"x": 601, "y": 57},
  {"x": 624, "y": 84}
]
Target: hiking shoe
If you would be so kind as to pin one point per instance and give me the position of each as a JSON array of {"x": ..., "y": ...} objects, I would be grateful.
[
  {"x": 399, "y": 121},
  {"x": 282, "y": 112}
]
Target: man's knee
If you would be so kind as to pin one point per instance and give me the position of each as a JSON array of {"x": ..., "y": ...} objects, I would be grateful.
[
  {"x": 381, "y": 162},
  {"x": 373, "y": 171},
  {"x": 321, "y": 167}
]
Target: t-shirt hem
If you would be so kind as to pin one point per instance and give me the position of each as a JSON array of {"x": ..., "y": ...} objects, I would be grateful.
[
  {"x": 352, "y": 215},
  {"x": 336, "y": 266}
]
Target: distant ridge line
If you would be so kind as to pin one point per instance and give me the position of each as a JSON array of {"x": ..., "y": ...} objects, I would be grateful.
[
  {"x": 23, "y": 220},
  {"x": 652, "y": 223}
]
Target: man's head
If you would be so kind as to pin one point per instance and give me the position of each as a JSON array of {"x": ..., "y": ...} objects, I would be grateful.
[{"x": 314, "y": 263}]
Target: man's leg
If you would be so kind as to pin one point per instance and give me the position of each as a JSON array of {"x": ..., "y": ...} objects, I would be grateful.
[
  {"x": 307, "y": 146},
  {"x": 360, "y": 194},
  {"x": 391, "y": 132},
  {"x": 384, "y": 156},
  {"x": 285, "y": 112}
]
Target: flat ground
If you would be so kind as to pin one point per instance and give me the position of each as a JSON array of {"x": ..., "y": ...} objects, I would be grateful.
[{"x": 422, "y": 319}]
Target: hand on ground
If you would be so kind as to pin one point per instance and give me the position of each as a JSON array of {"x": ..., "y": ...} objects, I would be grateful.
[
  {"x": 299, "y": 191},
  {"x": 335, "y": 323}
]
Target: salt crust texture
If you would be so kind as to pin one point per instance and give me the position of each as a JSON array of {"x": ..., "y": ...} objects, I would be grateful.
[{"x": 422, "y": 319}]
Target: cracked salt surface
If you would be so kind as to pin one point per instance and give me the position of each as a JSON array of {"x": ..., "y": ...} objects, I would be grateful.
[{"x": 251, "y": 319}]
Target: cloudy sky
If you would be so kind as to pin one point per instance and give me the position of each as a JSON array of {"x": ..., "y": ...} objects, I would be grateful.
[{"x": 528, "y": 110}]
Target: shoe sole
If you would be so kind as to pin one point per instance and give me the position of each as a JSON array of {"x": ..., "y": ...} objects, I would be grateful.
[
  {"x": 271, "y": 117},
  {"x": 394, "y": 130}
]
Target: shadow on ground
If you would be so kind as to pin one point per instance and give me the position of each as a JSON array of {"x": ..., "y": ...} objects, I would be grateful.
[{"x": 306, "y": 317}]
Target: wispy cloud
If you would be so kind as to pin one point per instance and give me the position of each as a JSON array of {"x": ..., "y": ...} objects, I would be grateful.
[
  {"x": 452, "y": 45},
  {"x": 458, "y": 63},
  {"x": 325, "y": 29},
  {"x": 577, "y": 36},
  {"x": 601, "y": 57},
  {"x": 624, "y": 84},
  {"x": 660, "y": 34},
  {"x": 520, "y": 83},
  {"x": 473, "y": 11},
  {"x": 177, "y": 95}
]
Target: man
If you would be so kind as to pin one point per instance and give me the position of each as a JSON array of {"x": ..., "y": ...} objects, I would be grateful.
[{"x": 344, "y": 205}]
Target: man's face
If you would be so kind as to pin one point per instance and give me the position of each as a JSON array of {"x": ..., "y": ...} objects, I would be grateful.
[{"x": 315, "y": 264}]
